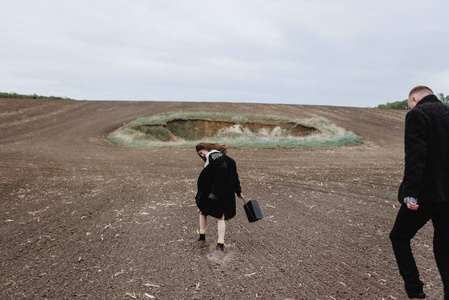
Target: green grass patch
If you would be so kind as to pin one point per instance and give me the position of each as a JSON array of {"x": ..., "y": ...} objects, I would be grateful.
[{"x": 174, "y": 129}]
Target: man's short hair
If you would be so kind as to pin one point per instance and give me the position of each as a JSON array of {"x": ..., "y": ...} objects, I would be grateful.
[{"x": 420, "y": 90}]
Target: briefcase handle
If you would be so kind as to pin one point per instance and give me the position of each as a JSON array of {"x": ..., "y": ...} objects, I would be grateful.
[{"x": 243, "y": 199}]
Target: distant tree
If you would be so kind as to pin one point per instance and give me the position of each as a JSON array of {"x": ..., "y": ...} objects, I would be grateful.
[
  {"x": 395, "y": 105},
  {"x": 404, "y": 103},
  {"x": 34, "y": 96},
  {"x": 443, "y": 98}
]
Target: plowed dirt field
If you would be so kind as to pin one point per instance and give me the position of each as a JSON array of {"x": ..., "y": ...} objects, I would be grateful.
[{"x": 82, "y": 218}]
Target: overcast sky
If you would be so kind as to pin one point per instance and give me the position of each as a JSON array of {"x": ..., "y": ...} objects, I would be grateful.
[{"x": 344, "y": 53}]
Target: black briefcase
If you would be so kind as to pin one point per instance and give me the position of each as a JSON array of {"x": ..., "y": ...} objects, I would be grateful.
[{"x": 252, "y": 210}]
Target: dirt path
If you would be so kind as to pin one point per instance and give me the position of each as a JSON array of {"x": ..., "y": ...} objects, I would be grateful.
[{"x": 82, "y": 218}]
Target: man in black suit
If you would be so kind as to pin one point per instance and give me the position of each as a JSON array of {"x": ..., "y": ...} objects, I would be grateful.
[{"x": 424, "y": 192}]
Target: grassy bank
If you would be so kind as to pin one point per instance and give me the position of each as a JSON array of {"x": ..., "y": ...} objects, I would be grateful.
[{"x": 236, "y": 130}]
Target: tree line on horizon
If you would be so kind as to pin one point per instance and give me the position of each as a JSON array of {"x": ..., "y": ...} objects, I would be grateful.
[
  {"x": 34, "y": 96},
  {"x": 404, "y": 103}
]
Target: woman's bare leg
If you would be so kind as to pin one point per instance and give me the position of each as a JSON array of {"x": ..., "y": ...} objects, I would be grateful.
[
  {"x": 221, "y": 225},
  {"x": 203, "y": 222}
]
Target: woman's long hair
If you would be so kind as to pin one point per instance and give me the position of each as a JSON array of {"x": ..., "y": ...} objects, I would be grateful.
[{"x": 211, "y": 146}]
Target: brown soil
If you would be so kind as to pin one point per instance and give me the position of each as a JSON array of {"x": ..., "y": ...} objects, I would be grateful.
[{"x": 82, "y": 218}]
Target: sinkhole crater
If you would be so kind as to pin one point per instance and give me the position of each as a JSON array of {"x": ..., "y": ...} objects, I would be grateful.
[{"x": 236, "y": 130}]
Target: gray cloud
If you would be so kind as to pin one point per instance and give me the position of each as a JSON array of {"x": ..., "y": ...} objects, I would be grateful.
[{"x": 351, "y": 53}]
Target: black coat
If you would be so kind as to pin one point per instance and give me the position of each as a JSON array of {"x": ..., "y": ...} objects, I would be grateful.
[
  {"x": 426, "y": 174},
  {"x": 217, "y": 184}
]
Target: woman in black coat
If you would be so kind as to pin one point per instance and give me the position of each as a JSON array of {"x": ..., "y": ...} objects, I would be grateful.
[{"x": 217, "y": 184}]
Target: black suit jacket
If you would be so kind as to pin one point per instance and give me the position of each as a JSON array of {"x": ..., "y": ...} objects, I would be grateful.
[{"x": 426, "y": 173}]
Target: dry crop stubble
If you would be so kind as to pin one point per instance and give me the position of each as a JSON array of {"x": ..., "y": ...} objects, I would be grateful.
[{"x": 84, "y": 218}]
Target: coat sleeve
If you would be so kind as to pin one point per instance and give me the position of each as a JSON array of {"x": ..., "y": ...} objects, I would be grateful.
[
  {"x": 237, "y": 187},
  {"x": 415, "y": 154}
]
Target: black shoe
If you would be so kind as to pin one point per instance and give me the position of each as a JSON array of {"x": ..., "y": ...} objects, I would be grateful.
[
  {"x": 220, "y": 247},
  {"x": 202, "y": 238},
  {"x": 418, "y": 296}
]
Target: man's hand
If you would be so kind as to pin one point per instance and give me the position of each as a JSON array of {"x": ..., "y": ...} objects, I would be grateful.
[
  {"x": 412, "y": 206},
  {"x": 412, "y": 203}
]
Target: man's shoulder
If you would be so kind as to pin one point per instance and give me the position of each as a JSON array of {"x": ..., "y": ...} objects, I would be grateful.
[
  {"x": 431, "y": 102},
  {"x": 433, "y": 113},
  {"x": 436, "y": 108},
  {"x": 415, "y": 113}
]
